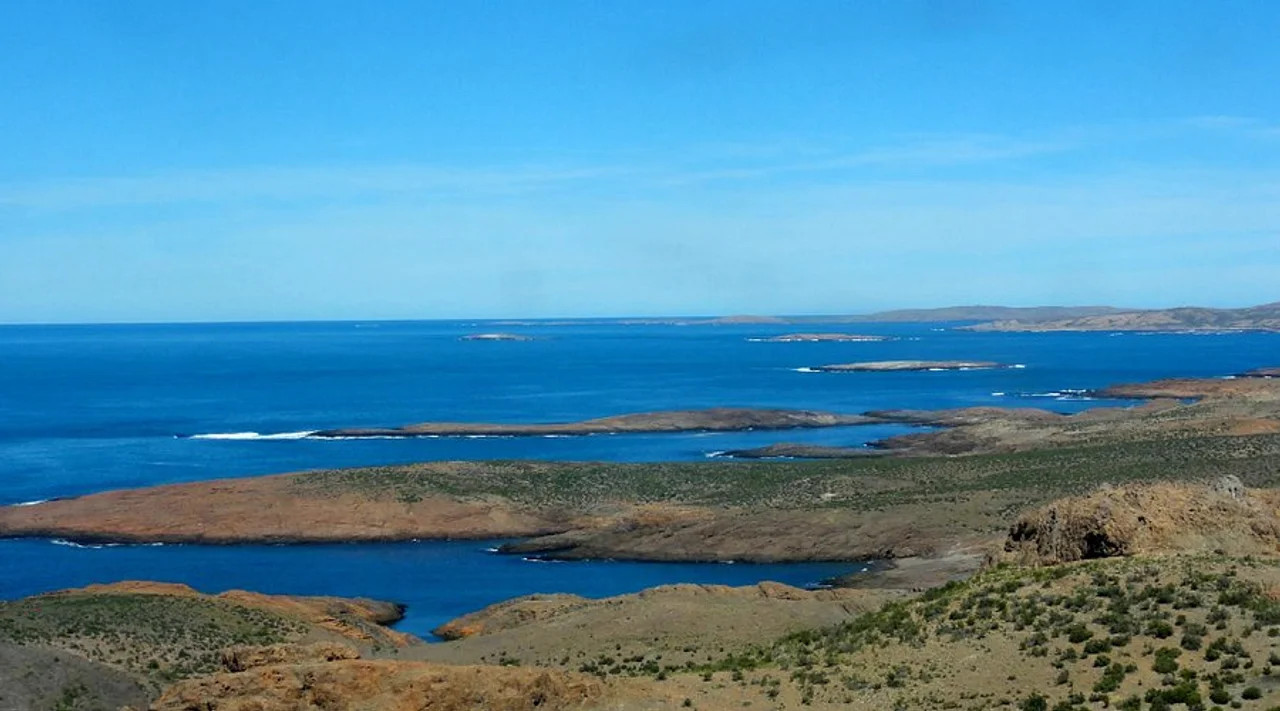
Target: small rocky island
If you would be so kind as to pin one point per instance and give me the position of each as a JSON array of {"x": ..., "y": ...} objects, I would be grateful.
[
  {"x": 497, "y": 337},
  {"x": 821, "y": 338},
  {"x": 893, "y": 366}
]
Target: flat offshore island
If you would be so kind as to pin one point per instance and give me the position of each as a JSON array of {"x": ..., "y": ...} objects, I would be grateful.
[
  {"x": 1120, "y": 557},
  {"x": 894, "y": 366}
]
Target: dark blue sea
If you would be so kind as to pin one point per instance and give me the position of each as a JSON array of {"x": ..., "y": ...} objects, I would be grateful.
[{"x": 90, "y": 408}]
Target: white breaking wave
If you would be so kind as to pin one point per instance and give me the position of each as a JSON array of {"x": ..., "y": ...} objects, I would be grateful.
[
  {"x": 806, "y": 370},
  {"x": 1063, "y": 394},
  {"x": 712, "y": 455},
  {"x": 997, "y": 394},
  {"x": 31, "y": 503},
  {"x": 254, "y": 435}
]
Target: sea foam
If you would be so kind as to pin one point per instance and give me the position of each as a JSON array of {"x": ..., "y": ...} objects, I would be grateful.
[{"x": 253, "y": 435}]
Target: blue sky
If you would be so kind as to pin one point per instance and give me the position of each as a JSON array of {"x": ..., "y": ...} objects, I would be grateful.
[{"x": 233, "y": 160}]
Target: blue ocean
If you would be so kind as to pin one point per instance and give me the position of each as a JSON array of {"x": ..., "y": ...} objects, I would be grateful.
[{"x": 90, "y": 408}]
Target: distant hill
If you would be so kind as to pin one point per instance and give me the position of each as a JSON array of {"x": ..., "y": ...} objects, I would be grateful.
[
  {"x": 1182, "y": 319},
  {"x": 1024, "y": 314},
  {"x": 1029, "y": 314}
]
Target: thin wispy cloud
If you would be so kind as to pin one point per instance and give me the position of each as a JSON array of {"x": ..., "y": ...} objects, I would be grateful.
[
  {"x": 287, "y": 183},
  {"x": 727, "y": 163},
  {"x": 268, "y": 183}
]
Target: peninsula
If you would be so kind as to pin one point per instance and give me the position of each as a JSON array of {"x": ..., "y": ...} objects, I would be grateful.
[
  {"x": 929, "y": 492},
  {"x": 719, "y": 419}
]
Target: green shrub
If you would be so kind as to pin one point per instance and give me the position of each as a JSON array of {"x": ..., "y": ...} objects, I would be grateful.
[{"x": 1166, "y": 660}]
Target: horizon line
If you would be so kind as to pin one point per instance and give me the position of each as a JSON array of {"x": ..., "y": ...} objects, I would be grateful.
[{"x": 588, "y": 319}]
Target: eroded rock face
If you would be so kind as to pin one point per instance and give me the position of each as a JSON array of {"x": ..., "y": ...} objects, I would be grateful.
[
  {"x": 358, "y": 685},
  {"x": 1152, "y": 518}
]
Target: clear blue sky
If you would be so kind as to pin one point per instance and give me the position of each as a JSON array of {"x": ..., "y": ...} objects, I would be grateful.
[{"x": 232, "y": 160}]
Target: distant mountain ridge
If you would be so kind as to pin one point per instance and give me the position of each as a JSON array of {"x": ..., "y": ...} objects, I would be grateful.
[{"x": 1193, "y": 319}]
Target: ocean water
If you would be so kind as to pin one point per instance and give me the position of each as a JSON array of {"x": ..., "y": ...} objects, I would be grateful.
[{"x": 90, "y": 408}]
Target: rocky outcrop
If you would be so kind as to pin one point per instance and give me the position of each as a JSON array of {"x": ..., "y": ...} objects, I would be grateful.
[
  {"x": 243, "y": 657},
  {"x": 271, "y": 509},
  {"x": 368, "y": 685},
  {"x": 1149, "y": 518},
  {"x": 893, "y": 366},
  {"x": 718, "y": 419}
]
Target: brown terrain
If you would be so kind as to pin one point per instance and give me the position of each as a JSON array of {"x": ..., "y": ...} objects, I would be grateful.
[
  {"x": 674, "y": 621},
  {"x": 379, "y": 685},
  {"x": 271, "y": 509}
]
